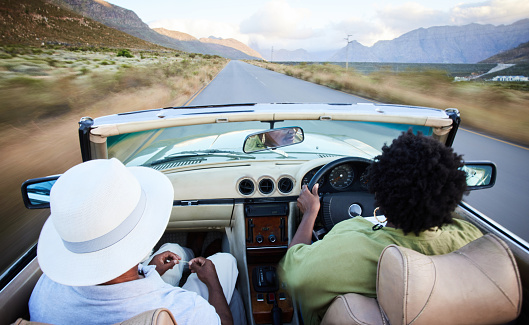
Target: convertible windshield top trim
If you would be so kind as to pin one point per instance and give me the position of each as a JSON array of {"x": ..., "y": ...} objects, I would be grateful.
[{"x": 169, "y": 117}]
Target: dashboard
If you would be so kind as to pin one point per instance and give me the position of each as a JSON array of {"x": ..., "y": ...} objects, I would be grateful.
[
  {"x": 209, "y": 195},
  {"x": 264, "y": 179}
]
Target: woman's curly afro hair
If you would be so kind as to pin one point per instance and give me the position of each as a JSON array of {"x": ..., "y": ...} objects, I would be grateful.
[{"x": 417, "y": 182}]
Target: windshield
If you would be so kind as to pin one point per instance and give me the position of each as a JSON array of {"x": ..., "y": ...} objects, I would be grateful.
[{"x": 221, "y": 142}]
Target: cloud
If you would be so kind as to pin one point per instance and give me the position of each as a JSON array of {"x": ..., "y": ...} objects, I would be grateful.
[
  {"x": 490, "y": 12},
  {"x": 276, "y": 20},
  {"x": 409, "y": 16},
  {"x": 364, "y": 31}
]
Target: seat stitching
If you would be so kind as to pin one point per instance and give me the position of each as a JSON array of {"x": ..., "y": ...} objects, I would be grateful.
[
  {"x": 488, "y": 277},
  {"x": 382, "y": 315},
  {"x": 406, "y": 260},
  {"x": 350, "y": 312},
  {"x": 430, "y": 295}
]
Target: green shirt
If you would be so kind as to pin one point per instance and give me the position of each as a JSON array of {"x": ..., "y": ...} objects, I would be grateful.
[{"x": 346, "y": 260}]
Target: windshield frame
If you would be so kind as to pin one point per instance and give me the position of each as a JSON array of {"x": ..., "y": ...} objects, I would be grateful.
[{"x": 215, "y": 142}]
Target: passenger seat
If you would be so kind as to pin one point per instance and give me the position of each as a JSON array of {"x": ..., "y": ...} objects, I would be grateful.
[
  {"x": 476, "y": 284},
  {"x": 160, "y": 316}
]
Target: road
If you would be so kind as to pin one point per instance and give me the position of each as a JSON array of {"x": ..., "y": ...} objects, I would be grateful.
[
  {"x": 505, "y": 203},
  {"x": 241, "y": 82}
]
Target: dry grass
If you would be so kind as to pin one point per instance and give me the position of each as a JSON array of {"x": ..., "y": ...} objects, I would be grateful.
[
  {"x": 36, "y": 140},
  {"x": 487, "y": 107}
]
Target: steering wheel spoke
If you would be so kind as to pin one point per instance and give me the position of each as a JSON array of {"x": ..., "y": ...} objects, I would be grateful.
[{"x": 318, "y": 234}]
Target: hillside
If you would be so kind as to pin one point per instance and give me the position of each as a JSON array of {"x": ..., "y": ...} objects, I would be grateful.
[
  {"x": 34, "y": 22},
  {"x": 230, "y": 42},
  {"x": 174, "y": 34},
  {"x": 233, "y": 43},
  {"x": 127, "y": 21},
  {"x": 519, "y": 54}
]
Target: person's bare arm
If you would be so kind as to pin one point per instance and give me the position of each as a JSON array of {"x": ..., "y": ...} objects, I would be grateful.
[
  {"x": 309, "y": 205},
  {"x": 206, "y": 272}
]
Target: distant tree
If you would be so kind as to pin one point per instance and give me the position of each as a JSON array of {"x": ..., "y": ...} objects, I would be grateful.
[{"x": 126, "y": 53}]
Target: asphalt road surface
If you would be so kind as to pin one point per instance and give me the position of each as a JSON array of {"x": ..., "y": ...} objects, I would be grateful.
[{"x": 506, "y": 203}]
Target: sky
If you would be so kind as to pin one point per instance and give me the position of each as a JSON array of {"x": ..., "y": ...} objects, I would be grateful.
[{"x": 317, "y": 25}]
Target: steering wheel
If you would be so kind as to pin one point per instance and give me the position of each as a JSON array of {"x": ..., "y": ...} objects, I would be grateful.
[{"x": 329, "y": 219}]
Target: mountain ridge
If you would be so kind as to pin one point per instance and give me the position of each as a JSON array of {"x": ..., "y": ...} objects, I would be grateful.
[
  {"x": 470, "y": 43},
  {"x": 38, "y": 22},
  {"x": 128, "y": 21},
  {"x": 232, "y": 42},
  {"x": 229, "y": 42},
  {"x": 519, "y": 54},
  {"x": 35, "y": 22}
]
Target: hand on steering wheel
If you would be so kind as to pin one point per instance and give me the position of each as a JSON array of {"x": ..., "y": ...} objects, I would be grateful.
[
  {"x": 328, "y": 224},
  {"x": 309, "y": 202}
]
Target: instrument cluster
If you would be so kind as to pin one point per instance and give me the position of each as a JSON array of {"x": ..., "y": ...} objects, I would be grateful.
[{"x": 344, "y": 177}]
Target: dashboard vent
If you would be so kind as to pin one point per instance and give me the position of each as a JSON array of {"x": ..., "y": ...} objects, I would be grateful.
[
  {"x": 266, "y": 186},
  {"x": 246, "y": 186},
  {"x": 177, "y": 164},
  {"x": 326, "y": 155},
  {"x": 285, "y": 185}
]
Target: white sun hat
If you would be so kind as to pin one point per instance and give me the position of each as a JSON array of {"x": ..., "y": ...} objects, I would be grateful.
[{"x": 105, "y": 218}]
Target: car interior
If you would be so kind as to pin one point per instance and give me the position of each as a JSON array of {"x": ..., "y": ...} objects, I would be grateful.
[
  {"x": 248, "y": 208},
  {"x": 257, "y": 233}
]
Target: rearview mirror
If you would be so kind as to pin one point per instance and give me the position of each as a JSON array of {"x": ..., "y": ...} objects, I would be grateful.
[
  {"x": 480, "y": 175},
  {"x": 273, "y": 138},
  {"x": 36, "y": 192}
]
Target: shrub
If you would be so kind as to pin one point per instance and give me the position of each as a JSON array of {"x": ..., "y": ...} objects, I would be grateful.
[{"x": 125, "y": 53}]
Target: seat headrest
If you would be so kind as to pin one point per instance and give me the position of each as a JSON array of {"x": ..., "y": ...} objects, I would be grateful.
[{"x": 479, "y": 283}]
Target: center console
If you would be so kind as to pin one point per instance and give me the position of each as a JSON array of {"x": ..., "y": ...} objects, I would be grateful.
[{"x": 266, "y": 243}]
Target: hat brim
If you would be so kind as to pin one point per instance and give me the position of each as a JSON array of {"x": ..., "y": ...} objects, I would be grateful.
[{"x": 68, "y": 268}]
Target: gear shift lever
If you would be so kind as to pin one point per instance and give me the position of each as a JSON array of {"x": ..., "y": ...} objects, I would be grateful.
[{"x": 276, "y": 314}]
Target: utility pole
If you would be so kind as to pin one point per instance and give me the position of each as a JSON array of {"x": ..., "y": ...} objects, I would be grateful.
[
  {"x": 347, "y": 52},
  {"x": 272, "y": 54}
]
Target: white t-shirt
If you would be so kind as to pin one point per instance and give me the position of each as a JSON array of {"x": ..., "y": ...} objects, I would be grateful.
[{"x": 55, "y": 303}]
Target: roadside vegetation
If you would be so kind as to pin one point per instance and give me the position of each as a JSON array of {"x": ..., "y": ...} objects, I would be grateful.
[
  {"x": 45, "y": 91},
  {"x": 495, "y": 108}
]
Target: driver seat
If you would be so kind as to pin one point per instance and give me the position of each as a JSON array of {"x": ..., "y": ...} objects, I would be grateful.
[{"x": 476, "y": 284}]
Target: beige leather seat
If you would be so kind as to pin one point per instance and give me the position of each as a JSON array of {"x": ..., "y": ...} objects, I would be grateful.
[
  {"x": 477, "y": 284},
  {"x": 160, "y": 316}
]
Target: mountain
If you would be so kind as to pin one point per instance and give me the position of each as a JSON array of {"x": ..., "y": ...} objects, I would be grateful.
[
  {"x": 176, "y": 35},
  {"x": 33, "y": 22},
  {"x": 230, "y": 42},
  {"x": 233, "y": 43},
  {"x": 442, "y": 44},
  {"x": 127, "y": 21},
  {"x": 519, "y": 54}
]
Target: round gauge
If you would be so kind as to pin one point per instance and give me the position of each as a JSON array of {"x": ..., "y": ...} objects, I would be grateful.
[
  {"x": 364, "y": 181},
  {"x": 308, "y": 177},
  {"x": 341, "y": 176}
]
